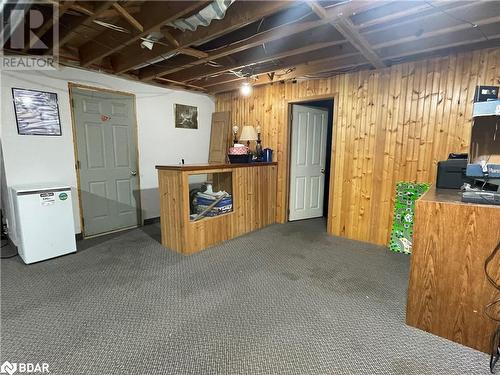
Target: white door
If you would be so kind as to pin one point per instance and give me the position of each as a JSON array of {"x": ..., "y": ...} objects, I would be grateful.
[
  {"x": 308, "y": 159},
  {"x": 107, "y": 160}
]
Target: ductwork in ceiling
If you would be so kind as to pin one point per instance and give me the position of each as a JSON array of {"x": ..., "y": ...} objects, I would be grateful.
[{"x": 214, "y": 11}]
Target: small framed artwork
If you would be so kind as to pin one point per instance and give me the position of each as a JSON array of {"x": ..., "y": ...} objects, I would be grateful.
[
  {"x": 37, "y": 112},
  {"x": 186, "y": 116}
]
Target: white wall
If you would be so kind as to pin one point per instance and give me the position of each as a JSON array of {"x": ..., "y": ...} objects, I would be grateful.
[{"x": 40, "y": 159}]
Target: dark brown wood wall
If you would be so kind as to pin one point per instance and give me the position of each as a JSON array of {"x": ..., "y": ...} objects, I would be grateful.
[{"x": 390, "y": 125}]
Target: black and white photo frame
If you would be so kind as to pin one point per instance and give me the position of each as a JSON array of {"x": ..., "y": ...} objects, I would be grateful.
[
  {"x": 186, "y": 116},
  {"x": 37, "y": 112}
]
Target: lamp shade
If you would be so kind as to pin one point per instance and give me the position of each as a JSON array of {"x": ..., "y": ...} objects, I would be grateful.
[{"x": 248, "y": 133}]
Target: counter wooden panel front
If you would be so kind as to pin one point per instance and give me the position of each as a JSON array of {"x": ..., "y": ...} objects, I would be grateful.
[
  {"x": 448, "y": 289},
  {"x": 254, "y": 205}
]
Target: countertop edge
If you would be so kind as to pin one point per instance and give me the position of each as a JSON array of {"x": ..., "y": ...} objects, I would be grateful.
[
  {"x": 448, "y": 196},
  {"x": 200, "y": 167}
]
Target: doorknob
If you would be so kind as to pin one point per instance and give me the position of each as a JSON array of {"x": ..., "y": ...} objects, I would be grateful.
[
  {"x": 133, "y": 173},
  {"x": 323, "y": 170}
]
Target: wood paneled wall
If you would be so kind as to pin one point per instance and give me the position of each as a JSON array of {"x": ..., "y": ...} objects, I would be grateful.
[{"x": 390, "y": 125}]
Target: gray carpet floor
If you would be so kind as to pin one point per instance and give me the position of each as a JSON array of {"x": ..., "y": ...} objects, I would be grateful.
[{"x": 287, "y": 299}]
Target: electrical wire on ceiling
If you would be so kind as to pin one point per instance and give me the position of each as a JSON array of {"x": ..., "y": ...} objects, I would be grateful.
[
  {"x": 263, "y": 45},
  {"x": 72, "y": 30},
  {"x": 164, "y": 57},
  {"x": 474, "y": 25},
  {"x": 112, "y": 26},
  {"x": 161, "y": 64}
]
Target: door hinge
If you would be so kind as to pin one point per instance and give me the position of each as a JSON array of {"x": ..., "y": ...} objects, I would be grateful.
[{"x": 77, "y": 165}]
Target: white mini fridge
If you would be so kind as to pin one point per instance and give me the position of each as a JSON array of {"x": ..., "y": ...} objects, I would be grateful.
[{"x": 44, "y": 221}]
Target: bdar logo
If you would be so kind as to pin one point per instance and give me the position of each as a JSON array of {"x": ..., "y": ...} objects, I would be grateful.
[{"x": 8, "y": 368}]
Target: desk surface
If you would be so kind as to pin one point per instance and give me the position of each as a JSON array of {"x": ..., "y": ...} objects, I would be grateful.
[
  {"x": 199, "y": 167},
  {"x": 434, "y": 195}
]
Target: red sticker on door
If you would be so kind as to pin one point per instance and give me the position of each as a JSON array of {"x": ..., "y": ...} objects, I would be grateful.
[{"x": 105, "y": 118}]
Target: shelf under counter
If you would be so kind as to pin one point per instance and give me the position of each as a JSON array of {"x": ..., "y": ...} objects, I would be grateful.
[{"x": 253, "y": 191}]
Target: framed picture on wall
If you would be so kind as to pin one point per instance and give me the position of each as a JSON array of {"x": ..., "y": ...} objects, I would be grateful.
[
  {"x": 186, "y": 116},
  {"x": 37, "y": 112}
]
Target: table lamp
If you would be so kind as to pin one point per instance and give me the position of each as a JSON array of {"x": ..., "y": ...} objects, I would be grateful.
[{"x": 248, "y": 133}]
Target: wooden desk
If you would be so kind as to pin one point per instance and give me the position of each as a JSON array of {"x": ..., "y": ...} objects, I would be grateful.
[
  {"x": 253, "y": 188},
  {"x": 448, "y": 289}
]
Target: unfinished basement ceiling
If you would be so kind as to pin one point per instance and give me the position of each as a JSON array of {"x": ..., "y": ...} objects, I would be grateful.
[{"x": 265, "y": 41}]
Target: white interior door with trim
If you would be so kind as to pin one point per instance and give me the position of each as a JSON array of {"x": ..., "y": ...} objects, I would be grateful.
[
  {"x": 307, "y": 162},
  {"x": 107, "y": 160}
]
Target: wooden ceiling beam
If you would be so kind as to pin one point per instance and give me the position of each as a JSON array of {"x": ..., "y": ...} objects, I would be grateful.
[
  {"x": 285, "y": 62},
  {"x": 206, "y": 71},
  {"x": 450, "y": 34},
  {"x": 345, "y": 26},
  {"x": 188, "y": 70},
  {"x": 87, "y": 9},
  {"x": 81, "y": 8},
  {"x": 182, "y": 84},
  {"x": 402, "y": 50},
  {"x": 194, "y": 52},
  {"x": 186, "y": 51},
  {"x": 238, "y": 15},
  {"x": 70, "y": 29},
  {"x": 152, "y": 16},
  {"x": 257, "y": 40},
  {"x": 128, "y": 17},
  {"x": 323, "y": 65},
  {"x": 113, "y": 13},
  {"x": 47, "y": 25},
  {"x": 276, "y": 33}
]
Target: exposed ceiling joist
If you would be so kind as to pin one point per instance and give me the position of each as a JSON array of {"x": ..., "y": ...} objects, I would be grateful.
[
  {"x": 170, "y": 38},
  {"x": 182, "y": 84},
  {"x": 280, "y": 32},
  {"x": 87, "y": 9},
  {"x": 113, "y": 13},
  {"x": 186, "y": 51},
  {"x": 287, "y": 60},
  {"x": 269, "y": 40},
  {"x": 312, "y": 67},
  {"x": 194, "y": 53},
  {"x": 67, "y": 32},
  {"x": 152, "y": 16},
  {"x": 81, "y": 8},
  {"x": 238, "y": 15},
  {"x": 257, "y": 40},
  {"x": 345, "y": 26},
  {"x": 128, "y": 17},
  {"x": 397, "y": 51},
  {"x": 267, "y": 36},
  {"x": 47, "y": 25},
  {"x": 206, "y": 71},
  {"x": 192, "y": 71}
]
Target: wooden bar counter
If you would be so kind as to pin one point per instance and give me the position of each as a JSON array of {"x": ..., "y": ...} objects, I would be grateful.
[
  {"x": 448, "y": 289},
  {"x": 253, "y": 190}
]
